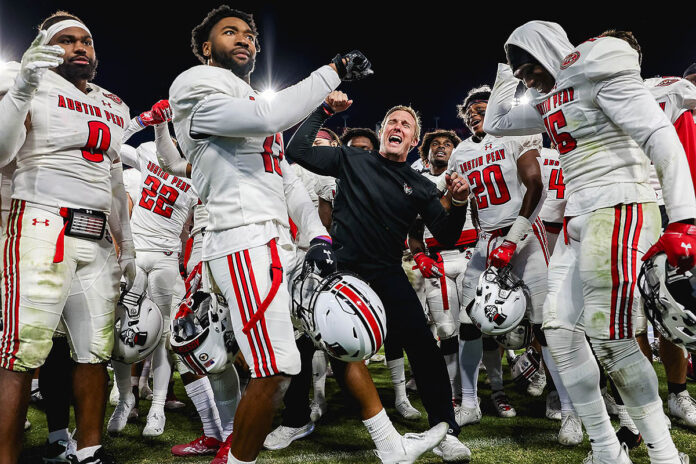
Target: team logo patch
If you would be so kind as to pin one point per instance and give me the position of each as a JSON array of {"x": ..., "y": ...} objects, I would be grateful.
[
  {"x": 570, "y": 59},
  {"x": 666, "y": 82},
  {"x": 113, "y": 97},
  {"x": 407, "y": 189}
]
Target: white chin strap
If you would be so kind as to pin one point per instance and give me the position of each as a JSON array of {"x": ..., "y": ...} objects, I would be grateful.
[{"x": 61, "y": 25}]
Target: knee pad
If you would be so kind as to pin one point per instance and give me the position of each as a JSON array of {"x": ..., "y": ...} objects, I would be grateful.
[
  {"x": 468, "y": 332},
  {"x": 489, "y": 344},
  {"x": 539, "y": 334},
  {"x": 449, "y": 346}
]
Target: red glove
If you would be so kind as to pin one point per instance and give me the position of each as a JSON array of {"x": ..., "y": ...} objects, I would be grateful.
[
  {"x": 502, "y": 255},
  {"x": 678, "y": 242},
  {"x": 428, "y": 266},
  {"x": 159, "y": 113}
]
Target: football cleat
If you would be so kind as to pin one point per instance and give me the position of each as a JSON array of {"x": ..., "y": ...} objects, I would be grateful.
[
  {"x": 553, "y": 406},
  {"x": 99, "y": 457},
  {"x": 467, "y": 416},
  {"x": 451, "y": 449},
  {"x": 411, "y": 385},
  {"x": 282, "y": 436},
  {"x": 60, "y": 451},
  {"x": 155, "y": 423},
  {"x": 407, "y": 411},
  {"x": 537, "y": 383},
  {"x": 223, "y": 453},
  {"x": 198, "y": 447},
  {"x": 502, "y": 404},
  {"x": 622, "y": 458},
  {"x": 628, "y": 437},
  {"x": 682, "y": 407},
  {"x": 570, "y": 433},
  {"x": 119, "y": 417},
  {"x": 413, "y": 445},
  {"x": 684, "y": 458},
  {"x": 172, "y": 404}
]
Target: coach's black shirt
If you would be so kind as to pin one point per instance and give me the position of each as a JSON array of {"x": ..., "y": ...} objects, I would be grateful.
[{"x": 377, "y": 201}]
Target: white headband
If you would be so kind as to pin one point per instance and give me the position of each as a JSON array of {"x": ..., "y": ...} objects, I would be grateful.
[{"x": 61, "y": 25}]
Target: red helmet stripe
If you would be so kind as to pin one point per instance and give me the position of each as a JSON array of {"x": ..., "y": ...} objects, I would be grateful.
[{"x": 364, "y": 309}]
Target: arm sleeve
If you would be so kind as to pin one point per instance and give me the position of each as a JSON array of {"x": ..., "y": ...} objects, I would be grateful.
[
  {"x": 300, "y": 208},
  {"x": 504, "y": 119},
  {"x": 168, "y": 156},
  {"x": 228, "y": 116},
  {"x": 133, "y": 128},
  {"x": 14, "y": 108},
  {"x": 119, "y": 220},
  {"x": 626, "y": 101},
  {"x": 445, "y": 227},
  {"x": 325, "y": 161},
  {"x": 129, "y": 156}
]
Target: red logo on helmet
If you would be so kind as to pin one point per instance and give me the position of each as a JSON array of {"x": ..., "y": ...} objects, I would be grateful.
[{"x": 570, "y": 59}]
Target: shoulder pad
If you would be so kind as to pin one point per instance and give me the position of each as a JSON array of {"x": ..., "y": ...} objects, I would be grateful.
[{"x": 606, "y": 57}]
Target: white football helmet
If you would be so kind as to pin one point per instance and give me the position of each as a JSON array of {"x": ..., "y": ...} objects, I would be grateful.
[
  {"x": 340, "y": 313},
  {"x": 500, "y": 302},
  {"x": 138, "y": 327},
  {"x": 204, "y": 339},
  {"x": 670, "y": 300},
  {"x": 525, "y": 366},
  {"x": 518, "y": 338}
]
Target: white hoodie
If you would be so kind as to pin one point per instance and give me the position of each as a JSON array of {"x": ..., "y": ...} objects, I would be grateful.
[{"x": 602, "y": 119}]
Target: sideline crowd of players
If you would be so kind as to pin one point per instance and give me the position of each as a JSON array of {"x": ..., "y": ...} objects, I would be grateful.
[{"x": 256, "y": 268}]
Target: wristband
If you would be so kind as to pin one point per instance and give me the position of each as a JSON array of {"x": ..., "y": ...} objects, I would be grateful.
[
  {"x": 456, "y": 202},
  {"x": 520, "y": 228}
]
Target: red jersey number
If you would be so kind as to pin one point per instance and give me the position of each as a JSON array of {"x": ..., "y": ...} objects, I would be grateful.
[
  {"x": 563, "y": 140},
  {"x": 488, "y": 185},
  {"x": 98, "y": 141},
  {"x": 556, "y": 183},
  {"x": 158, "y": 198},
  {"x": 271, "y": 162}
]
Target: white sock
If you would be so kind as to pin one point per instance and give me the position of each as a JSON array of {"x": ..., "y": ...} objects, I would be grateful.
[
  {"x": 85, "y": 453},
  {"x": 566, "y": 404},
  {"x": 232, "y": 460},
  {"x": 398, "y": 378},
  {"x": 625, "y": 420},
  {"x": 34, "y": 384},
  {"x": 57, "y": 435},
  {"x": 145, "y": 374},
  {"x": 122, "y": 379},
  {"x": 470, "y": 352},
  {"x": 162, "y": 372},
  {"x": 494, "y": 368},
  {"x": 383, "y": 433},
  {"x": 134, "y": 381},
  {"x": 319, "y": 368},
  {"x": 201, "y": 394},
  {"x": 225, "y": 386},
  {"x": 649, "y": 420}
]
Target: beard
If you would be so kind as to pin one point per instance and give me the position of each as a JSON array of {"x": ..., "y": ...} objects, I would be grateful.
[
  {"x": 77, "y": 72},
  {"x": 438, "y": 163},
  {"x": 227, "y": 62}
]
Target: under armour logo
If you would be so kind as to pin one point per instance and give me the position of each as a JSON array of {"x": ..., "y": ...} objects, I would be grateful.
[
  {"x": 488, "y": 146},
  {"x": 106, "y": 103},
  {"x": 328, "y": 257},
  {"x": 35, "y": 221},
  {"x": 686, "y": 247}
]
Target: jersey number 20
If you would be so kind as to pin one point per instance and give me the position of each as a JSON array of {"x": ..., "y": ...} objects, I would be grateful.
[
  {"x": 161, "y": 197},
  {"x": 489, "y": 180}
]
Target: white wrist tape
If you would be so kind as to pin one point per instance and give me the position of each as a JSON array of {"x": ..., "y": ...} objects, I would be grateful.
[{"x": 519, "y": 229}]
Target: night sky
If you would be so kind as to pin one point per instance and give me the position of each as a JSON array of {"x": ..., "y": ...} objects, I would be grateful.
[{"x": 428, "y": 56}]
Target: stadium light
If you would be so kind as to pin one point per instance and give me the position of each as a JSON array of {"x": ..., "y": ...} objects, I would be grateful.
[{"x": 268, "y": 94}]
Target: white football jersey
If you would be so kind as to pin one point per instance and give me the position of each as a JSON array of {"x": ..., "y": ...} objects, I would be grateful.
[
  {"x": 675, "y": 96},
  {"x": 490, "y": 167},
  {"x": 132, "y": 183},
  {"x": 309, "y": 180},
  {"x": 163, "y": 205},
  {"x": 325, "y": 188},
  {"x": 239, "y": 175},
  {"x": 6, "y": 193},
  {"x": 468, "y": 231},
  {"x": 553, "y": 209},
  {"x": 73, "y": 140}
]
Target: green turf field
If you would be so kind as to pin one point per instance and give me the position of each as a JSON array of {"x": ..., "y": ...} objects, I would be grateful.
[{"x": 340, "y": 436}]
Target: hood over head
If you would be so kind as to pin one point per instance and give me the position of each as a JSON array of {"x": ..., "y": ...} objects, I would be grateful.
[{"x": 545, "y": 41}]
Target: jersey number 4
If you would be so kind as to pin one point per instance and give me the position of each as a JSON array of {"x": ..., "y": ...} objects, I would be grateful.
[
  {"x": 271, "y": 162},
  {"x": 556, "y": 183},
  {"x": 158, "y": 198},
  {"x": 489, "y": 184},
  {"x": 563, "y": 140},
  {"x": 98, "y": 142}
]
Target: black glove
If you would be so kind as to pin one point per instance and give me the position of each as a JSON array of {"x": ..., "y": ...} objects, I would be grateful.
[
  {"x": 320, "y": 258},
  {"x": 356, "y": 67}
]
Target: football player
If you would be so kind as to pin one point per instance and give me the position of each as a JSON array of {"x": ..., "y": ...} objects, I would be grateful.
[
  {"x": 246, "y": 200},
  {"x": 432, "y": 258},
  {"x": 60, "y": 264},
  {"x": 593, "y": 104}
]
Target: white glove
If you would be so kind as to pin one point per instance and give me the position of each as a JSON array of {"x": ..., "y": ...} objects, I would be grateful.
[
  {"x": 35, "y": 61},
  {"x": 126, "y": 259}
]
